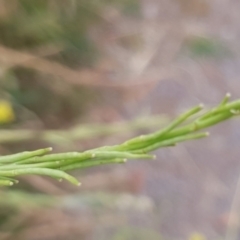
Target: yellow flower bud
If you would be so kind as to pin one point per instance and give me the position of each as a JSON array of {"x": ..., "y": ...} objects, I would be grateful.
[{"x": 6, "y": 112}]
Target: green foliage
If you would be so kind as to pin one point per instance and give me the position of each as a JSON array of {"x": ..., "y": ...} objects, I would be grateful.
[
  {"x": 206, "y": 47},
  {"x": 27, "y": 89},
  {"x": 55, "y": 165},
  {"x": 39, "y": 25},
  {"x": 35, "y": 23}
]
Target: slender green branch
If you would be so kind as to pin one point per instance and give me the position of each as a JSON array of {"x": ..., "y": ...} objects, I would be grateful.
[
  {"x": 185, "y": 127},
  {"x": 80, "y": 132}
]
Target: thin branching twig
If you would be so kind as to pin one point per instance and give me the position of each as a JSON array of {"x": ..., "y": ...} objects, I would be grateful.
[{"x": 185, "y": 127}]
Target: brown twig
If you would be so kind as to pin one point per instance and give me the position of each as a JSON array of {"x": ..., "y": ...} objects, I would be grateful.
[{"x": 88, "y": 77}]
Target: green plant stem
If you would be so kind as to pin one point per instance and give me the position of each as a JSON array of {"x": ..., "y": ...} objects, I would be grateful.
[
  {"x": 80, "y": 132},
  {"x": 183, "y": 128}
]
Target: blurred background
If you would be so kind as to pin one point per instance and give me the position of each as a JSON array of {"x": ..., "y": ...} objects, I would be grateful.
[{"x": 81, "y": 74}]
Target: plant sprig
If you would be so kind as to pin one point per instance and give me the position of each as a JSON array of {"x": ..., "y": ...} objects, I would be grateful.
[{"x": 185, "y": 127}]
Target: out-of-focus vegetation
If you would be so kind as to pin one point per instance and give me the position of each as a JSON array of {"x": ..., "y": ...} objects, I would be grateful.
[
  {"x": 62, "y": 62},
  {"x": 57, "y": 31},
  {"x": 29, "y": 25},
  {"x": 129, "y": 233},
  {"x": 206, "y": 47}
]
